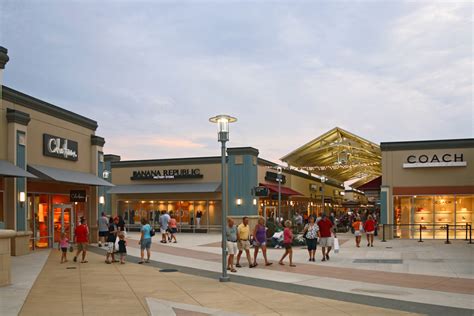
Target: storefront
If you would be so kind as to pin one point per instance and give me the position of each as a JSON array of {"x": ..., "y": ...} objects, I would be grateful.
[
  {"x": 63, "y": 162},
  {"x": 428, "y": 186},
  {"x": 190, "y": 190}
]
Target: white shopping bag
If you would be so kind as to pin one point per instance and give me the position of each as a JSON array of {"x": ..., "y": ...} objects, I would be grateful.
[{"x": 336, "y": 245}]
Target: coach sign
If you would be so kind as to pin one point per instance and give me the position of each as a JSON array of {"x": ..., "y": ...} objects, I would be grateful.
[
  {"x": 59, "y": 147},
  {"x": 435, "y": 160}
]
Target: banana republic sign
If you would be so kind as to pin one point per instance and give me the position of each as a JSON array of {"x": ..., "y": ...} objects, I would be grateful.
[
  {"x": 435, "y": 160},
  {"x": 166, "y": 174},
  {"x": 59, "y": 147}
]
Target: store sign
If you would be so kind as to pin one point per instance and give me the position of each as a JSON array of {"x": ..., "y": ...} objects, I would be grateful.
[
  {"x": 59, "y": 147},
  {"x": 261, "y": 191},
  {"x": 435, "y": 160},
  {"x": 166, "y": 174},
  {"x": 77, "y": 195},
  {"x": 273, "y": 177}
]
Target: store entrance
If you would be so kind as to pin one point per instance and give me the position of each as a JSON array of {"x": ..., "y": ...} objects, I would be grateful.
[{"x": 63, "y": 222}]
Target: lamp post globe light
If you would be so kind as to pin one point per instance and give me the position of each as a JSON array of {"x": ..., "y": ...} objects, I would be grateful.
[
  {"x": 223, "y": 122},
  {"x": 279, "y": 179}
]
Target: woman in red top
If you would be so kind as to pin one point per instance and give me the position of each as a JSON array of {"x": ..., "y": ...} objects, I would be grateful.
[
  {"x": 369, "y": 228},
  {"x": 287, "y": 241}
]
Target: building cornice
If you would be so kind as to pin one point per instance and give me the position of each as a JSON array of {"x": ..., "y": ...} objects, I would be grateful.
[
  {"x": 30, "y": 102},
  {"x": 97, "y": 141},
  {"x": 428, "y": 144},
  {"x": 166, "y": 162},
  {"x": 242, "y": 151},
  {"x": 15, "y": 116},
  {"x": 112, "y": 158}
]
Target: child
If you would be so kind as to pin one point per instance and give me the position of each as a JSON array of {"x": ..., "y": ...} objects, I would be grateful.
[
  {"x": 64, "y": 245},
  {"x": 122, "y": 247},
  {"x": 173, "y": 229},
  {"x": 357, "y": 225},
  {"x": 287, "y": 241}
]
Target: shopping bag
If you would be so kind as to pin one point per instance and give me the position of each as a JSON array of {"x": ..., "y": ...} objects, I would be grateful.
[{"x": 336, "y": 245}]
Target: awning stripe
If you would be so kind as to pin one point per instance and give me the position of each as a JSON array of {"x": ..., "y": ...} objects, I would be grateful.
[
  {"x": 7, "y": 169},
  {"x": 283, "y": 190},
  {"x": 62, "y": 175}
]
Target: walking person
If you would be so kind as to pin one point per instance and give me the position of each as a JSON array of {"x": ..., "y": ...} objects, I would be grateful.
[
  {"x": 121, "y": 224},
  {"x": 122, "y": 247},
  {"x": 145, "y": 240},
  {"x": 369, "y": 227},
  {"x": 173, "y": 228},
  {"x": 260, "y": 233},
  {"x": 81, "y": 236},
  {"x": 311, "y": 233},
  {"x": 63, "y": 246},
  {"x": 103, "y": 222},
  {"x": 111, "y": 239},
  {"x": 243, "y": 241},
  {"x": 231, "y": 237},
  {"x": 325, "y": 236},
  {"x": 357, "y": 226},
  {"x": 164, "y": 220},
  {"x": 287, "y": 241},
  {"x": 198, "y": 219}
]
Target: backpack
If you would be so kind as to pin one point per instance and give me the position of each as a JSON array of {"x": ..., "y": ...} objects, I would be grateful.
[{"x": 152, "y": 232}]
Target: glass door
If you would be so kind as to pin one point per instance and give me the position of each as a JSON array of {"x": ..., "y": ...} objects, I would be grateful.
[{"x": 63, "y": 221}]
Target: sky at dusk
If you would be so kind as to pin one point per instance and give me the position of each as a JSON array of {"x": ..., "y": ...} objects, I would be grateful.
[{"x": 151, "y": 73}]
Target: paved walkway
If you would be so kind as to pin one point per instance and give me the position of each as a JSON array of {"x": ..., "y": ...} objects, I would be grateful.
[{"x": 96, "y": 288}]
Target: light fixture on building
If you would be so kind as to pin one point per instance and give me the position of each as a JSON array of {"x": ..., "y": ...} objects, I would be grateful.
[
  {"x": 101, "y": 200},
  {"x": 106, "y": 174},
  {"x": 254, "y": 201},
  {"x": 239, "y": 201},
  {"x": 152, "y": 202},
  {"x": 292, "y": 203},
  {"x": 22, "y": 197}
]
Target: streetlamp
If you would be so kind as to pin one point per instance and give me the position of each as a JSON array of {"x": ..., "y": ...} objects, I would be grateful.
[
  {"x": 323, "y": 179},
  {"x": 279, "y": 178},
  {"x": 223, "y": 136}
]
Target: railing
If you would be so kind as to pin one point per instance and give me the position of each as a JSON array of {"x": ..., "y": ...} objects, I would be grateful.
[
  {"x": 467, "y": 228},
  {"x": 187, "y": 228}
]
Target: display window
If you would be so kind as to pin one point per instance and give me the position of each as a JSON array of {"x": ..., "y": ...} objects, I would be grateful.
[{"x": 432, "y": 215}]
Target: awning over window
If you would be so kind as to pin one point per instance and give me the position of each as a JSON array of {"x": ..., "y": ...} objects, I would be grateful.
[
  {"x": 167, "y": 188},
  {"x": 7, "y": 169},
  {"x": 283, "y": 190},
  {"x": 63, "y": 175}
]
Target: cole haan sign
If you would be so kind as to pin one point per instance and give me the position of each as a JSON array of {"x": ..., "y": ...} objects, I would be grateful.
[
  {"x": 167, "y": 174},
  {"x": 59, "y": 147},
  {"x": 435, "y": 160}
]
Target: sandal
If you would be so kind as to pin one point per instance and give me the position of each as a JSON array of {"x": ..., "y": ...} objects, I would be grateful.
[
  {"x": 268, "y": 264},
  {"x": 292, "y": 265},
  {"x": 281, "y": 263},
  {"x": 238, "y": 265},
  {"x": 147, "y": 261},
  {"x": 85, "y": 261},
  {"x": 140, "y": 262},
  {"x": 233, "y": 270}
]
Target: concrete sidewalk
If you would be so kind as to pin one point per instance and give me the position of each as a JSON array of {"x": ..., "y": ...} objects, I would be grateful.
[{"x": 95, "y": 288}]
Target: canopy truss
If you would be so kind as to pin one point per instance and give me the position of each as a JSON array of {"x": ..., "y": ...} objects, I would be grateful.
[{"x": 340, "y": 155}]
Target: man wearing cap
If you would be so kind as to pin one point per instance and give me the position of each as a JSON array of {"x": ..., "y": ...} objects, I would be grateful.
[{"x": 325, "y": 236}]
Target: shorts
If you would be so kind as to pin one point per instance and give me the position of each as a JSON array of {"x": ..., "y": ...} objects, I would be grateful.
[
  {"x": 163, "y": 229},
  {"x": 259, "y": 244},
  {"x": 243, "y": 245},
  {"x": 64, "y": 250},
  {"x": 103, "y": 234},
  {"x": 110, "y": 247},
  {"x": 174, "y": 230},
  {"x": 231, "y": 247},
  {"x": 312, "y": 243},
  {"x": 326, "y": 241},
  {"x": 145, "y": 244},
  {"x": 81, "y": 246},
  {"x": 357, "y": 233},
  {"x": 370, "y": 233},
  {"x": 287, "y": 246}
]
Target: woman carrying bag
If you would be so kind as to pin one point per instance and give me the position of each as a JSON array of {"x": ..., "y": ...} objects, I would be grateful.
[{"x": 310, "y": 233}]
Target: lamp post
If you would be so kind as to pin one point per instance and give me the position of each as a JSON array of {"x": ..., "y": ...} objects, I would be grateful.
[
  {"x": 279, "y": 178},
  {"x": 223, "y": 136},
  {"x": 323, "y": 179}
]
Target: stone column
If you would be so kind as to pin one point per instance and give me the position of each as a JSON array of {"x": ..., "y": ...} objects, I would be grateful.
[
  {"x": 5, "y": 260},
  {"x": 97, "y": 161}
]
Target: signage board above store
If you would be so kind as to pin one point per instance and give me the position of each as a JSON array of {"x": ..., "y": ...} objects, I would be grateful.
[
  {"x": 77, "y": 195},
  {"x": 435, "y": 160},
  {"x": 273, "y": 177},
  {"x": 261, "y": 191},
  {"x": 166, "y": 174},
  {"x": 59, "y": 147}
]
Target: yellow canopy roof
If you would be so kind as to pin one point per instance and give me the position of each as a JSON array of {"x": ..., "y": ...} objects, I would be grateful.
[{"x": 340, "y": 155}]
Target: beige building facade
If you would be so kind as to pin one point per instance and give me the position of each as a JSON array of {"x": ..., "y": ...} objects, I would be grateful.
[{"x": 428, "y": 186}]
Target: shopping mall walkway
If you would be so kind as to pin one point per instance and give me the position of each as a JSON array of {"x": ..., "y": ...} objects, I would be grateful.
[{"x": 96, "y": 288}]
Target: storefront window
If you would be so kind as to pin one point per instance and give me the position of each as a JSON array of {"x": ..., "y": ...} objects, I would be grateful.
[{"x": 432, "y": 214}]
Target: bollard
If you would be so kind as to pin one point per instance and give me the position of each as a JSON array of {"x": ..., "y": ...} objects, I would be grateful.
[
  {"x": 466, "y": 231},
  {"x": 421, "y": 240},
  {"x": 447, "y": 234},
  {"x": 383, "y": 233},
  {"x": 470, "y": 233}
]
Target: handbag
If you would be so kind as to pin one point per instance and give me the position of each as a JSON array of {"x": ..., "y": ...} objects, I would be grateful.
[{"x": 336, "y": 245}]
